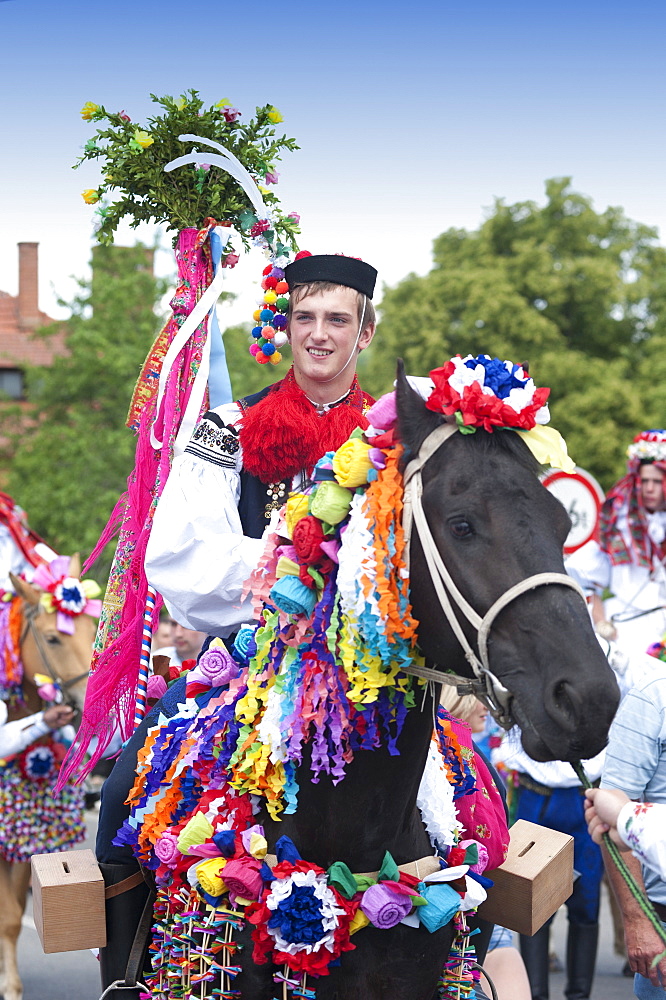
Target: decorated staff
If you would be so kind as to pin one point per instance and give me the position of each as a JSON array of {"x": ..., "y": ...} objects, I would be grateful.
[{"x": 209, "y": 198}]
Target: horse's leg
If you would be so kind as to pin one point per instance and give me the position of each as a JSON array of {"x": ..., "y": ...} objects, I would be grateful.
[{"x": 11, "y": 915}]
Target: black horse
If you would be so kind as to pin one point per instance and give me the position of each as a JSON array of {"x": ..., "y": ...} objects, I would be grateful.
[{"x": 494, "y": 525}]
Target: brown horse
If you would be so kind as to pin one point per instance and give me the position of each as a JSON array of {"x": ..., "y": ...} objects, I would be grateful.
[{"x": 66, "y": 660}]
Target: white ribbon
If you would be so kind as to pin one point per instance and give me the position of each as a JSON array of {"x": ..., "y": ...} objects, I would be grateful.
[{"x": 232, "y": 165}]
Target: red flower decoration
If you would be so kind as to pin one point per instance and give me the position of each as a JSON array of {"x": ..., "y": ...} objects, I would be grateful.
[{"x": 477, "y": 408}]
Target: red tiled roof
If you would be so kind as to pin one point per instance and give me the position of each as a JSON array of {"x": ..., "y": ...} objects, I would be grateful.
[{"x": 20, "y": 346}]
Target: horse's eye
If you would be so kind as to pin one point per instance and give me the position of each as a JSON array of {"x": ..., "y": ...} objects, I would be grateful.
[
  {"x": 461, "y": 528},
  {"x": 53, "y": 640}
]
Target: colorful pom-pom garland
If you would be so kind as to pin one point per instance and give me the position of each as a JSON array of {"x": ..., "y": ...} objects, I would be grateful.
[{"x": 270, "y": 317}]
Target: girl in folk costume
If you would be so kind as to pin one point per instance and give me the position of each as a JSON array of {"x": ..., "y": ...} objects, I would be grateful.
[{"x": 628, "y": 563}]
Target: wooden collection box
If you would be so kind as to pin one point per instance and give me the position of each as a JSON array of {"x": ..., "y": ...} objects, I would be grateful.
[
  {"x": 68, "y": 901},
  {"x": 533, "y": 882}
]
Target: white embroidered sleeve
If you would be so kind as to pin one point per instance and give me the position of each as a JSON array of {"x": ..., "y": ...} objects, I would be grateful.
[
  {"x": 16, "y": 736},
  {"x": 197, "y": 556},
  {"x": 642, "y": 826}
]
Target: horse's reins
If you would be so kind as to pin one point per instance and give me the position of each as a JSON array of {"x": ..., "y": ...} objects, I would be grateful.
[
  {"x": 486, "y": 685},
  {"x": 31, "y": 612}
]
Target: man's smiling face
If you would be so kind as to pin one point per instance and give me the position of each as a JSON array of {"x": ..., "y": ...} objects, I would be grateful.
[{"x": 323, "y": 328}]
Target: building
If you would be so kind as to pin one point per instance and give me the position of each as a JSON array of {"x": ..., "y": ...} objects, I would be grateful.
[{"x": 20, "y": 317}]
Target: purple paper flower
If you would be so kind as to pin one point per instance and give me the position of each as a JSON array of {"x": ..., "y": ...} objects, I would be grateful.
[
  {"x": 384, "y": 907},
  {"x": 166, "y": 849},
  {"x": 231, "y": 114},
  {"x": 218, "y": 666},
  {"x": 272, "y": 177},
  {"x": 295, "y": 216}
]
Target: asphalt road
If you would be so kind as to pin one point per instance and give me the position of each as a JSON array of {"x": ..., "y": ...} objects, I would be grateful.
[{"x": 74, "y": 975}]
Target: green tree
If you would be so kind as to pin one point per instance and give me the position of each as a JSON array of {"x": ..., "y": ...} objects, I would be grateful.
[
  {"x": 578, "y": 294},
  {"x": 73, "y": 452}
]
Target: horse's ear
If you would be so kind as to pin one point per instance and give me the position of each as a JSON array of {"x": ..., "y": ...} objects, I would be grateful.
[
  {"x": 75, "y": 566},
  {"x": 25, "y": 590},
  {"x": 415, "y": 420}
]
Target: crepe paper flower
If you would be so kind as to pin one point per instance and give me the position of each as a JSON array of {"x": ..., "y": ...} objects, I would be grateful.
[
  {"x": 231, "y": 114},
  {"x": 295, "y": 216},
  {"x": 89, "y": 110},
  {"x": 272, "y": 177},
  {"x": 274, "y": 115},
  {"x": 245, "y": 645},
  {"x": 486, "y": 392},
  {"x": 351, "y": 463},
  {"x": 166, "y": 849},
  {"x": 307, "y": 538},
  {"x": 156, "y": 687},
  {"x": 341, "y": 878},
  {"x": 65, "y": 595},
  {"x": 301, "y": 921},
  {"x": 286, "y": 567},
  {"x": 377, "y": 457},
  {"x": 125, "y": 117},
  {"x": 383, "y": 414},
  {"x": 143, "y": 138},
  {"x": 296, "y": 508},
  {"x": 217, "y": 664},
  {"x": 209, "y": 875},
  {"x": 292, "y": 596},
  {"x": 197, "y": 830},
  {"x": 90, "y": 196},
  {"x": 254, "y": 841},
  {"x": 46, "y": 688},
  {"x": 242, "y": 878},
  {"x": 38, "y": 763},
  {"x": 231, "y": 260},
  {"x": 331, "y": 502},
  {"x": 476, "y": 855},
  {"x": 442, "y": 904},
  {"x": 548, "y": 447},
  {"x": 383, "y": 906},
  {"x": 180, "y": 103}
]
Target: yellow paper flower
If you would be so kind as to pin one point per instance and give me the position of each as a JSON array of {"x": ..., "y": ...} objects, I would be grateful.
[
  {"x": 262, "y": 189},
  {"x": 223, "y": 104},
  {"x": 258, "y": 846},
  {"x": 331, "y": 502},
  {"x": 90, "y": 589},
  {"x": 180, "y": 103},
  {"x": 143, "y": 138},
  {"x": 548, "y": 447},
  {"x": 274, "y": 115},
  {"x": 195, "y": 832},
  {"x": 351, "y": 463},
  {"x": 358, "y": 921},
  {"x": 90, "y": 196},
  {"x": 297, "y": 507},
  {"x": 46, "y": 601},
  {"x": 88, "y": 110},
  {"x": 208, "y": 874},
  {"x": 286, "y": 567}
]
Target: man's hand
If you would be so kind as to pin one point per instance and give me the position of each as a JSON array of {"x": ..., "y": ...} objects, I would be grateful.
[
  {"x": 643, "y": 945},
  {"x": 602, "y": 808},
  {"x": 58, "y": 715}
]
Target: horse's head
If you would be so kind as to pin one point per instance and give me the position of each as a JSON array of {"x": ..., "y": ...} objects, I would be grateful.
[
  {"x": 46, "y": 649},
  {"x": 494, "y": 525}
]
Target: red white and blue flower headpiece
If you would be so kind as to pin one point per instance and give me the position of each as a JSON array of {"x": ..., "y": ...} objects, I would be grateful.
[
  {"x": 648, "y": 446},
  {"x": 484, "y": 392},
  {"x": 66, "y": 595}
]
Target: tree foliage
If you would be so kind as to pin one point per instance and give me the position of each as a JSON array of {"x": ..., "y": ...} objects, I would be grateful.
[
  {"x": 72, "y": 452},
  {"x": 578, "y": 294}
]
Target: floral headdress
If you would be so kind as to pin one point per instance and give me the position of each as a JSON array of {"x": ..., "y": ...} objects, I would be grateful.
[
  {"x": 484, "y": 392},
  {"x": 624, "y": 527}
]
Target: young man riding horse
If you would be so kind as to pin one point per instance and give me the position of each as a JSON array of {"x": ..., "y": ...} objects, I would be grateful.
[{"x": 206, "y": 536}]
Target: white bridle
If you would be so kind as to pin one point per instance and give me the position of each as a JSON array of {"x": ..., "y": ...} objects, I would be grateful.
[{"x": 485, "y": 685}]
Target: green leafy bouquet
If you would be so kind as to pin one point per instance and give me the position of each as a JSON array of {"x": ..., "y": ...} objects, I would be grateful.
[{"x": 133, "y": 158}]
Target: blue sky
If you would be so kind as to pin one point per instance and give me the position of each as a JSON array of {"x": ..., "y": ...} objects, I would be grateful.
[{"x": 411, "y": 118}]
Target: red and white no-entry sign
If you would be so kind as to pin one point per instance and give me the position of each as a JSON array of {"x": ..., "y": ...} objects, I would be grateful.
[{"x": 582, "y": 497}]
